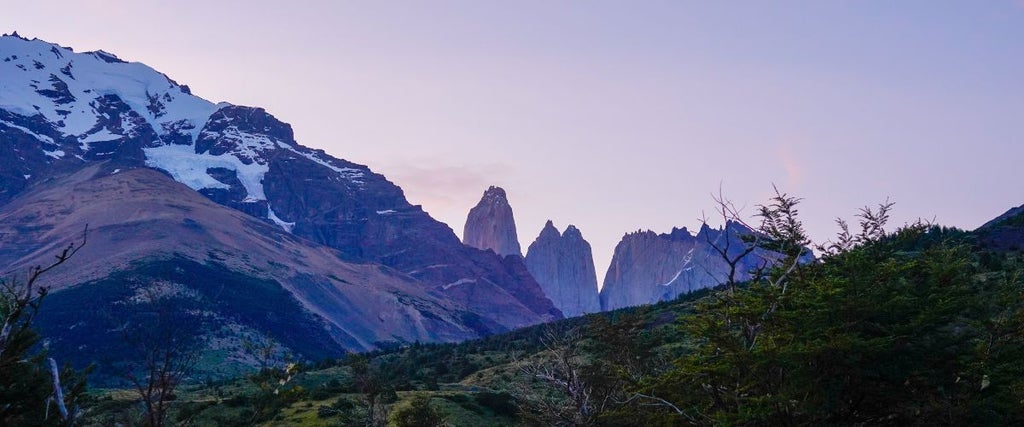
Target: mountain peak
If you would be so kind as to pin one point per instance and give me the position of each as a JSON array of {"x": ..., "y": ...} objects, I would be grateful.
[
  {"x": 563, "y": 265},
  {"x": 549, "y": 231},
  {"x": 572, "y": 232},
  {"x": 491, "y": 225},
  {"x": 680, "y": 234},
  {"x": 14, "y": 35},
  {"x": 107, "y": 57},
  {"x": 74, "y": 91},
  {"x": 495, "y": 194}
]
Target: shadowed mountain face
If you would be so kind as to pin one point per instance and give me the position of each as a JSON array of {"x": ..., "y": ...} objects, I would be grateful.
[
  {"x": 88, "y": 138},
  {"x": 1005, "y": 232},
  {"x": 564, "y": 266},
  {"x": 490, "y": 225}
]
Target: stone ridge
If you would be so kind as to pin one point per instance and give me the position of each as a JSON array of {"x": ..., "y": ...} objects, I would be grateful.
[
  {"x": 648, "y": 267},
  {"x": 491, "y": 225},
  {"x": 563, "y": 265}
]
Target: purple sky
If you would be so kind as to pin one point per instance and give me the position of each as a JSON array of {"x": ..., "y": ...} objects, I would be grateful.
[{"x": 614, "y": 116}]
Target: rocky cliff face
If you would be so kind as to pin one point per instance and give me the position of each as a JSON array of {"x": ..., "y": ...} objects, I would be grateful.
[
  {"x": 490, "y": 225},
  {"x": 62, "y": 112},
  {"x": 563, "y": 265},
  {"x": 649, "y": 267}
]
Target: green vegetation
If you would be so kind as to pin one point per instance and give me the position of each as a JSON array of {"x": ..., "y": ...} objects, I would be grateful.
[
  {"x": 918, "y": 326},
  {"x": 33, "y": 390}
]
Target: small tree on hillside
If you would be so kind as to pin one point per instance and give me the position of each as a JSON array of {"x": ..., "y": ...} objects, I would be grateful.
[
  {"x": 276, "y": 371},
  {"x": 375, "y": 388},
  {"x": 563, "y": 386},
  {"x": 164, "y": 348}
]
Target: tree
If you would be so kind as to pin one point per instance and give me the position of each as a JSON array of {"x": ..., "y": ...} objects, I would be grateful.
[
  {"x": 887, "y": 328},
  {"x": 31, "y": 385},
  {"x": 374, "y": 387},
  {"x": 164, "y": 348},
  {"x": 276, "y": 371},
  {"x": 564, "y": 386}
]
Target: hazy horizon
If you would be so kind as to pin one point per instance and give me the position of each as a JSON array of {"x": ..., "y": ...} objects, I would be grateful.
[{"x": 613, "y": 117}]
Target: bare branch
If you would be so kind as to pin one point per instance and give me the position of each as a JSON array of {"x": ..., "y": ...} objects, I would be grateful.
[
  {"x": 658, "y": 402},
  {"x": 23, "y": 300},
  {"x": 58, "y": 392}
]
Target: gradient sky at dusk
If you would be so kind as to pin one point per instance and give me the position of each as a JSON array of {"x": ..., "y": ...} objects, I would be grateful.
[{"x": 611, "y": 115}]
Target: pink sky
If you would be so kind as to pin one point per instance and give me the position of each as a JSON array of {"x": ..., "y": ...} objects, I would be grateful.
[{"x": 613, "y": 116}]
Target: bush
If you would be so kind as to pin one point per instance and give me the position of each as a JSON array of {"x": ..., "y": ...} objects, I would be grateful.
[
  {"x": 501, "y": 403},
  {"x": 418, "y": 413}
]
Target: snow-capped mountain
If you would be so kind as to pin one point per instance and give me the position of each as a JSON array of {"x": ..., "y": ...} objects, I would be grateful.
[
  {"x": 94, "y": 106},
  {"x": 64, "y": 112}
]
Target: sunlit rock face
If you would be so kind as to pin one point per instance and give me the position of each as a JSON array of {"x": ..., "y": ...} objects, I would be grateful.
[
  {"x": 563, "y": 265},
  {"x": 490, "y": 224}
]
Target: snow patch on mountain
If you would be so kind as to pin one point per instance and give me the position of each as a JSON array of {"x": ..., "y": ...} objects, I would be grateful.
[
  {"x": 27, "y": 131},
  {"x": 189, "y": 168},
  {"x": 287, "y": 226},
  {"x": 351, "y": 174},
  {"x": 457, "y": 283}
]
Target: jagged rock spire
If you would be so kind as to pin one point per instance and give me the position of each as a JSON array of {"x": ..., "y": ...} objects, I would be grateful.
[
  {"x": 491, "y": 225},
  {"x": 563, "y": 265}
]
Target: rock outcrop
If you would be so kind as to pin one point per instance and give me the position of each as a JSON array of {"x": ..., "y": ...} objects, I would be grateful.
[
  {"x": 490, "y": 225},
  {"x": 648, "y": 267},
  {"x": 563, "y": 265}
]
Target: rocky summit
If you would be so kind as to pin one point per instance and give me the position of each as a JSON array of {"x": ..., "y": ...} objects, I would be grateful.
[
  {"x": 563, "y": 265},
  {"x": 491, "y": 226},
  {"x": 86, "y": 137}
]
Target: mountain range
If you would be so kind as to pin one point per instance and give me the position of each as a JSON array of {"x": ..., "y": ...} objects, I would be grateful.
[
  {"x": 646, "y": 268},
  {"x": 189, "y": 196},
  {"x": 218, "y": 209}
]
